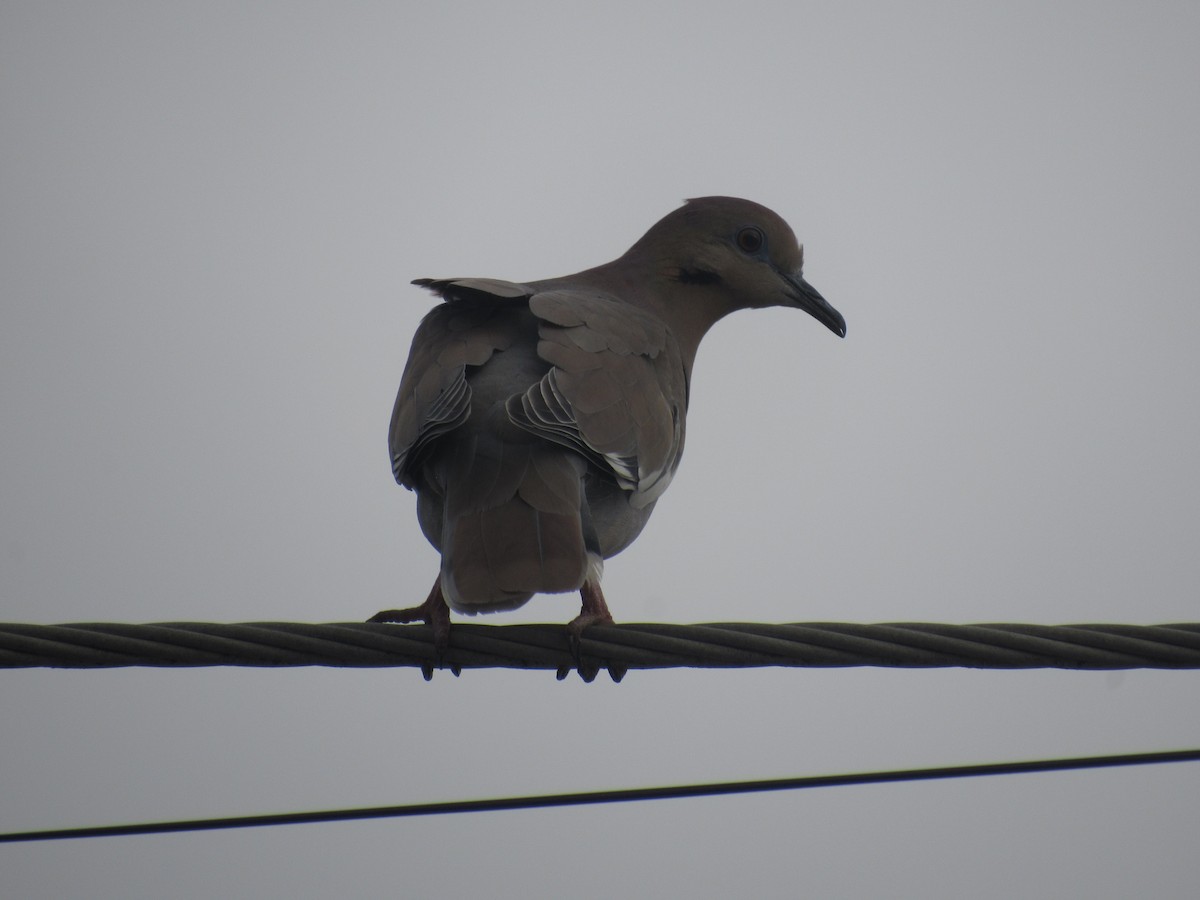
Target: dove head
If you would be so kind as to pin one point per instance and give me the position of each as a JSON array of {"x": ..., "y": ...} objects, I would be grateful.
[{"x": 720, "y": 254}]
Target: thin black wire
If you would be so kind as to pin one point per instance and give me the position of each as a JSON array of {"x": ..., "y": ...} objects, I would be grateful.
[{"x": 616, "y": 796}]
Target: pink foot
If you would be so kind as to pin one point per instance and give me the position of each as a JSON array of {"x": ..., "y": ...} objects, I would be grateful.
[
  {"x": 433, "y": 612},
  {"x": 593, "y": 612}
]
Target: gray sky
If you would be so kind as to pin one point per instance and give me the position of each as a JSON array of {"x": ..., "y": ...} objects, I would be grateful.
[{"x": 210, "y": 213}]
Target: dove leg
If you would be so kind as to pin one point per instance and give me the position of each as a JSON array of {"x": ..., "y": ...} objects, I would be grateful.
[
  {"x": 433, "y": 612},
  {"x": 593, "y": 612}
]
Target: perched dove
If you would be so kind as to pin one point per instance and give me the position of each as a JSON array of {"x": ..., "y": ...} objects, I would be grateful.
[{"x": 539, "y": 423}]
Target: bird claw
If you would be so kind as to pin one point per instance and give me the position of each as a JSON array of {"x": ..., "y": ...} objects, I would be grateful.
[
  {"x": 434, "y": 613},
  {"x": 428, "y": 667},
  {"x": 587, "y": 669}
]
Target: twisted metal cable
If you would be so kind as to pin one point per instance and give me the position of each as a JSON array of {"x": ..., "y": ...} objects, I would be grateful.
[{"x": 614, "y": 647}]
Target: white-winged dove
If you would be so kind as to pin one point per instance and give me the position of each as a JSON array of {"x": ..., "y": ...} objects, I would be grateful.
[{"x": 539, "y": 423}]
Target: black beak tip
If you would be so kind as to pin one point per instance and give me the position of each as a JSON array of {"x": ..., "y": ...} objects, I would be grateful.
[
  {"x": 838, "y": 325},
  {"x": 809, "y": 299}
]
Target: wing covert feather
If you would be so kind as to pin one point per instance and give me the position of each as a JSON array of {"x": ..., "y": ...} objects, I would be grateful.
[
  {"x": 616, "y": 393},
  {"x": 434, "y": 396}
]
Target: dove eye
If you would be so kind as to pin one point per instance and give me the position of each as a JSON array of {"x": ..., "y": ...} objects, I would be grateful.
[{"x": 750, "y": 240}]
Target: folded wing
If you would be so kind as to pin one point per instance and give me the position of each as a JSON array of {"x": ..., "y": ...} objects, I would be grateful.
[
  {"x": 434, "y": 396},
  {"x": 616, "y": 392}
]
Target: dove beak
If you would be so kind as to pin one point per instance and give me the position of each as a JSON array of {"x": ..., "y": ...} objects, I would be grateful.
[{"x": 806, "y": 297}]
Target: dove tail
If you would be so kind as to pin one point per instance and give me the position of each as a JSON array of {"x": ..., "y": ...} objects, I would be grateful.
[{"x": 529, "y": 539}]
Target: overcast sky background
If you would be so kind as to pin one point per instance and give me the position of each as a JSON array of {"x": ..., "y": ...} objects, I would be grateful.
[{"x": 210, "y": 214}]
